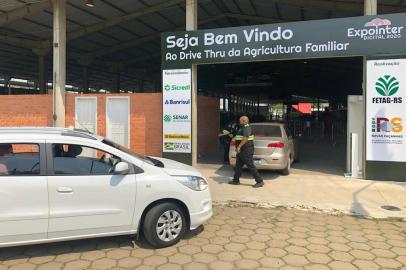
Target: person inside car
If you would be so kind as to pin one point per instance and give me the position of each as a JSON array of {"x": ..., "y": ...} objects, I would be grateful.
[{"x": 5, "y": 150}]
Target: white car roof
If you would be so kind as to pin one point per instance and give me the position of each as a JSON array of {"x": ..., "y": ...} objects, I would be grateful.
[{"x": 43, "y": 133}]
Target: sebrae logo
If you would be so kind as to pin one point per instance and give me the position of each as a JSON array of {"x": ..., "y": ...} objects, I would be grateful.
[
  {"x": 387, "y": 85},
  {"x": 376, "y": 29}
]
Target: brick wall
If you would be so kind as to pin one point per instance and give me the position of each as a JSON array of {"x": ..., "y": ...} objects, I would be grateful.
[
  {"x": 145, "y": 119},
  {"x": 25, "y": 110}
]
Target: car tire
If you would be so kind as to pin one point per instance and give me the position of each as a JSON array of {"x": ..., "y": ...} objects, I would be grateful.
[
  {"x": 164, "y": 225},
  {"x": 286, "y": 170}
]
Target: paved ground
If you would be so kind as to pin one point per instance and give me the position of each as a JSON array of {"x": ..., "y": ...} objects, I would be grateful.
[
  {"x": 237, "y": 238},
  {"x": 312, "y": 190},
  {"x": 316, "y": 182}
]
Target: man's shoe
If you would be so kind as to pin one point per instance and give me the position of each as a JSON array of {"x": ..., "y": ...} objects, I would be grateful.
[
  {"x": 258, "y": 185},
  {"x": 233, "y": 182}
]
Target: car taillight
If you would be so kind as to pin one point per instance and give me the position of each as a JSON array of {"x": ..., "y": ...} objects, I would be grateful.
[
  {"x": 276, "y": 145},
  {"x": 233, "y": 143}
]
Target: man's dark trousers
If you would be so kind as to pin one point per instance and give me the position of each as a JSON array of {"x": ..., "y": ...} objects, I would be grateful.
[{"x": 246, "y": 156}]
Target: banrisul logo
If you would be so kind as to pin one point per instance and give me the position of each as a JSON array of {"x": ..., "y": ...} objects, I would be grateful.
[
  {"x": 167, "y": 118},
  {"x": 387, "y": 85}
]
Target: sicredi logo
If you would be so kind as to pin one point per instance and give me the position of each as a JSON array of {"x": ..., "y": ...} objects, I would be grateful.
[
  {"x": 376, "y": 29},
  {"x": 177, "y": 102},
  {"x": 387, "y": 86},
  {"x": 175, "y": 87},
  {"x": 384, "y": 124}
]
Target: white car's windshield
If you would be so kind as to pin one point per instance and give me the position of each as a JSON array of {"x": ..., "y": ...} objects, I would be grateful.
[{"x": 128, "y": 151}]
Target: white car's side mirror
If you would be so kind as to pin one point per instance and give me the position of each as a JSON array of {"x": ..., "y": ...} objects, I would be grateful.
[{"x": 121, "y": 168}]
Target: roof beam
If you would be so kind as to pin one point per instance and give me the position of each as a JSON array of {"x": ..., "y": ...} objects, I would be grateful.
[
  {"x": 20, "y": 42},
  {"x": 117, "y": 20},
  {"x": 24, "y": 11},
  {"x": 335, "y": 5},
  {"x": 254, "y": 18},
  {"x": 139, "y": 41}
]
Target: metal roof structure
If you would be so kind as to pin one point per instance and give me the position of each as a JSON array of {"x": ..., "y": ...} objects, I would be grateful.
[{"x": 120, "y": 39}]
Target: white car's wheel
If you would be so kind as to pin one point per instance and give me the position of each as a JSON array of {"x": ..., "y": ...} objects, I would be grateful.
[{"x": 164, "y": 225}]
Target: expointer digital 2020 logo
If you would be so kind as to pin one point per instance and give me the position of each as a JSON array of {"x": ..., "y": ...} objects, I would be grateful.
[
  {"x": 387, "y": 86},
  {"x": 376, "y": 29}
]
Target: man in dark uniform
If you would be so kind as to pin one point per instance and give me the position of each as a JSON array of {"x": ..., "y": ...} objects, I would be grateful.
[{"x": 245, "y": 153}]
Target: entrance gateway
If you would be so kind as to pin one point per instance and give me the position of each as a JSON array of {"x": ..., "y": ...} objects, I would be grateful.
[{"x": 380, "y": 39}]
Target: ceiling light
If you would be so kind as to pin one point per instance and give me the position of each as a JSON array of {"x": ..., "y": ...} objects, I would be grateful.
[{"x": 90, "y": 3}]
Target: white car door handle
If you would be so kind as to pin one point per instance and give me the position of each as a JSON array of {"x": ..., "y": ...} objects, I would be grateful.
[{"x": 64, "y": 190}]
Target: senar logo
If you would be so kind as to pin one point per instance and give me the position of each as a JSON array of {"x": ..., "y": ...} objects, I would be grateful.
[
  {"x": 387, "y": 85},
  {"x": 167, "y": 118}
]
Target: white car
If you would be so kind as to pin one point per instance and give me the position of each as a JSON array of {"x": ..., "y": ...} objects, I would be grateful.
[{"x": 62, "y": 184}]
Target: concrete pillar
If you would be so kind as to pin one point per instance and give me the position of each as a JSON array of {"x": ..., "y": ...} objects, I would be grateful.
[
  {"x": 370, "y": 7},
  {"x": 42, "y": 81},
  {"x": 191, "y": 25},
  {"x": 59, "y": 68}
]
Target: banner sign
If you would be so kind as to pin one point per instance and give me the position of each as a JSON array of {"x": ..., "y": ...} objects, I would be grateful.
[
  {"x": 386, "y": 110},
  {"x": 356, "y": 36},
  {"x": 176, "y": 85}
]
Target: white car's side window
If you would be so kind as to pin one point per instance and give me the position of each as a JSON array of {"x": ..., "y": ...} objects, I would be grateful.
[
  {"x": 19, "y": 159},
  {"x": 74, "y": 159}
]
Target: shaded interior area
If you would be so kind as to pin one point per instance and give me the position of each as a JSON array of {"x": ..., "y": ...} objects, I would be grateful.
[{"x": 310, "y": 96}]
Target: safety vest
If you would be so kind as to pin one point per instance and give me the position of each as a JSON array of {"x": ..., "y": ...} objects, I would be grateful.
[{"x": 240, "y": 137}]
